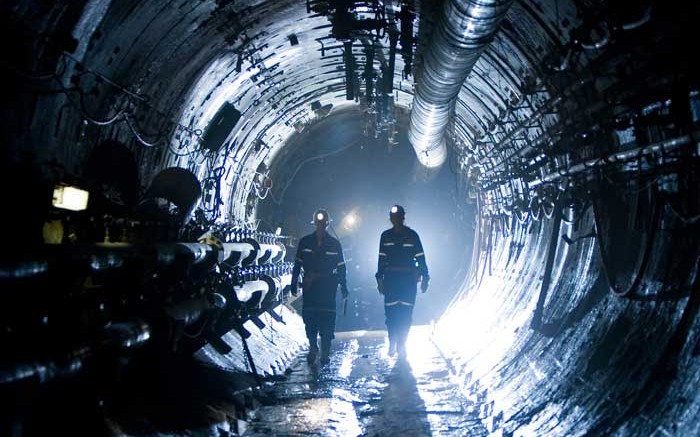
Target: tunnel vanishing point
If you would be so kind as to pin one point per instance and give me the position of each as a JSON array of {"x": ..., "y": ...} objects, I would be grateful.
[{"x": 571, "y": 126}]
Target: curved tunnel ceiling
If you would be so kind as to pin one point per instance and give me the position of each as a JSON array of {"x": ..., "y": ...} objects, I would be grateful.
[{"x": 574, "y": 133}]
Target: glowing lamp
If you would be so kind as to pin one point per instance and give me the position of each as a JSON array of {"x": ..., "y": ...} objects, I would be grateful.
[{"x": 71, "y": 198}]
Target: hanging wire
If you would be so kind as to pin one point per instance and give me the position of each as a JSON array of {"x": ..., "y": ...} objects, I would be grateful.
[
  {"x": 646, "y": 254},
  {"x": 122, "y": 114}
]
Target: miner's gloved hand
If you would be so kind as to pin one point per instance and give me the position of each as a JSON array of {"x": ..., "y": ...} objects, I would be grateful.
[
  {"x": 294, "y": 289},
  {"x": 344, "y": 291},
  {"x": 424, "y": 284},
  {"x": 380, "y": 285}
]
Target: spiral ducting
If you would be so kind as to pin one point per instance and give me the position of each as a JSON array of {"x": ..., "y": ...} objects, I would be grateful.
[{"x": 463, "y": 32}]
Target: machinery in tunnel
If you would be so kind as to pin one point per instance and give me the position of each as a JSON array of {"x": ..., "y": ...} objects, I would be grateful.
[{"x": 143, "y": 142}]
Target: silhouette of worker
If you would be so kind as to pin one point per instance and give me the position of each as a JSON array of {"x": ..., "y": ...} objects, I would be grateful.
[
  {"x": 401, "y": 265},
  {"x": 321, "y": 257}
]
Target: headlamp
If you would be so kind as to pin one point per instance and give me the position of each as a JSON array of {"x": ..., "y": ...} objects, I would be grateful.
[
  {"x": 321, "y": 216},
  {"x": 397, "y": 210}
]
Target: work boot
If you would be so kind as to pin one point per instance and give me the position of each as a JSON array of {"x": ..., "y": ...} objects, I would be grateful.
[
  {"x": 401, "y": 344},
  {"x": 401, "y": 349},
  {"x": 311, "y": 357},
  {"x": 325, "y": 357},
  {"x": 392, "y": 348}
]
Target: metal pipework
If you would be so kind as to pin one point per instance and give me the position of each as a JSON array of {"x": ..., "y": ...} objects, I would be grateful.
[
  {"x": 190, "y": 311},
  {"x": 119, "y": 336},
  {"x": 283, "y": 281},
  {"x": 271, "y": 253},
  {"x": 237, "y": 254},
  {"x": 463, "y": 32},
  {"x": 247, "y": 290},
  {"x": 664, "y": 146}
]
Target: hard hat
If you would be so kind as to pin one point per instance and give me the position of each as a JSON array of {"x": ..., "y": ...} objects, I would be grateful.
[
  {"x": 321, "y": 216},
  {"x": 397, "y": 210}
]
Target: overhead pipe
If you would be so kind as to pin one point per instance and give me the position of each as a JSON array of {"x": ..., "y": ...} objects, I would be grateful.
[{"x": 463, "y": 32}]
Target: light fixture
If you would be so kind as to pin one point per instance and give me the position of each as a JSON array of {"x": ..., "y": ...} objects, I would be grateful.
[
  {"x": 351, "y": 221},
  {"x": 71, "y": 198}
]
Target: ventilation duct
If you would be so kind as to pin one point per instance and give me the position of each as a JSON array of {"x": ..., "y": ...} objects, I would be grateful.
[{"x": 464, "y": 30}]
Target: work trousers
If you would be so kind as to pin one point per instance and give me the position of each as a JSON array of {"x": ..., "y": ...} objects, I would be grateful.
[{"x": 399, "y": 299}]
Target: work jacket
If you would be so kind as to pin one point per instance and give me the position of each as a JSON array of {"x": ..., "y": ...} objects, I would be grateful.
[{"x": 323, "y": 267}]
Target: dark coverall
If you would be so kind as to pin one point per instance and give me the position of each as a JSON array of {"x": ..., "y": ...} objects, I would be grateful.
[
  {"x": 401, "y": 265},
  {"x": 324, "y": 269}
]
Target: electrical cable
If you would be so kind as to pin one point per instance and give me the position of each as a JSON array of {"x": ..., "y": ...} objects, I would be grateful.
[{"x": 604, "y": 256}]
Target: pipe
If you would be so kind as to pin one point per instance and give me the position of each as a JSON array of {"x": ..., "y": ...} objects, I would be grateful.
[
  {"x": 246, "y": 291},
  {"x": 272, "y": 294},
  {"x": 235, "y": 253},
  {"x": 463, "y": 32},
  {"x": 268, "y": 253},
  {"x": 120, "y": 336},
  {"x": 100, "y": 257},
  {"x": 280, "y": 254},
  {"x": 189, "y": 311},
  {"x": 664, "y": 146}
]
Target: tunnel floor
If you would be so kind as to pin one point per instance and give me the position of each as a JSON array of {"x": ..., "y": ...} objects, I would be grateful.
[{"x": 365, "y": 392}]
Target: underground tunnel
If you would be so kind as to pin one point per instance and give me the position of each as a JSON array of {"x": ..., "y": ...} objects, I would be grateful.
[{"x": 162, "y": 161}]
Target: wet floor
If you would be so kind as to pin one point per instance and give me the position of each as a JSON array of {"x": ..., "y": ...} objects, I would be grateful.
[{"x": 364, "y": 392}]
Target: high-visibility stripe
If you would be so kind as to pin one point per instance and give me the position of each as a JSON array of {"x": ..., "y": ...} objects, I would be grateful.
[
  {"x": 398, "y": 302},
  {"x": 382, "y": 254},
  {"x": 420, "y": 254},
  {"x": 307, "y": 250},
  {"x": 341, "y": 263},
  {"x": 408, "y": 245},
  {"x": 389, "y": 244},
  {"x": 331, "y": 253}
]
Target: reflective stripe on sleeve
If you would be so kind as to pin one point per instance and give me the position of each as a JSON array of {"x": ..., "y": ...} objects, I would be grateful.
[
  {"x": 382, "y": 254},
  {"x": 307, "y": 250},
  {"x": 420, "y": 254},
  {"x": 408, "y": 245},
  {"x": 331, "y": 253},
  {"x": 398, "y": 302},
  {"x": 341, "y": 263},
  {"x": 389, "y": 244}
]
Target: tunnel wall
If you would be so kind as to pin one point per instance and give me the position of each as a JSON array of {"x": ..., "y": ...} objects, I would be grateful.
[
  {"x": 594, "y": 359},
  {"x": 592, "y": 362}
]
